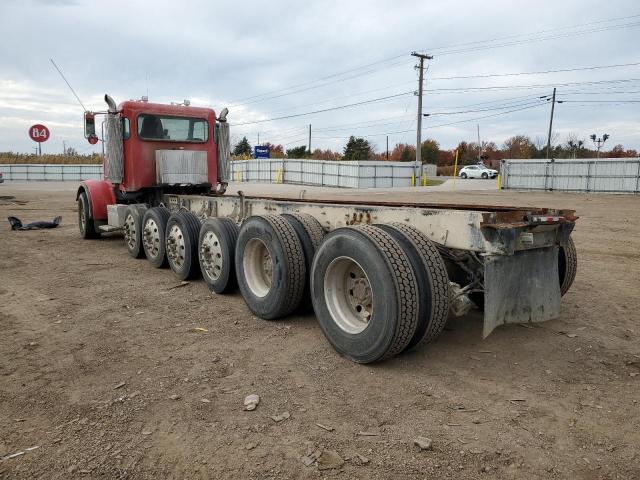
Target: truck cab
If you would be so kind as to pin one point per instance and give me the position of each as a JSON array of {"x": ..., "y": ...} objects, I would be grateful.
[{"x": 153, "y": 149}]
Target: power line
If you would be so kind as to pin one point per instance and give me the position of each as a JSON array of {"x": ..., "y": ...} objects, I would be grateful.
[
  {"x": 568, "y": 27},
  {"x": 490, "y": 44},
  {"x": 365, "y": 102},
  {"x": 543, "y": 72},
  {"x": 449, "y": 123}
]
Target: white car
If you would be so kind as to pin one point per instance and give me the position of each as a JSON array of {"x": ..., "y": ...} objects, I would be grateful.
[{"x": 477, "y": 171}]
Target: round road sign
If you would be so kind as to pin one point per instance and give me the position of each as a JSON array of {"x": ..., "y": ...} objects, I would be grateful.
[{"x": 39, "y": 133}]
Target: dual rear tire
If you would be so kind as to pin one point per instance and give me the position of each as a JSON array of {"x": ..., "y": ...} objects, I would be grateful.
[{"x": 379, "y": 290}]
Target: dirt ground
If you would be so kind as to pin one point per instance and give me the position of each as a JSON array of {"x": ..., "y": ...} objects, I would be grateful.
[{"x": 113, "y": 372}]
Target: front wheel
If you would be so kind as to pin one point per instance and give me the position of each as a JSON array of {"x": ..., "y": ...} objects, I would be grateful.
[
  {"x": 463, "y": 175},
  {"x": 485, "y": 176},
  {"x": 85, "y": 222}
]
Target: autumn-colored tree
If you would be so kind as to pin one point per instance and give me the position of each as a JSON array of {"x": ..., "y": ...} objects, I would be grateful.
[
  {"x": 275, "y": 151},
  {"x": 403, "y": 152},
  {"x": 519, "y": 146},
  {"x": 446, "y": 157},
  {"x": 327, "y": 154}
]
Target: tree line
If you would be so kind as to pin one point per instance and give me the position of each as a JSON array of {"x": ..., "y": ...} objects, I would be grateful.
[{"x": 517, "y": 146}]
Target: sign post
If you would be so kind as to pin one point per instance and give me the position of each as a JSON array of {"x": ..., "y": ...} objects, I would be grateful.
[{"x": 39, "y": 133}]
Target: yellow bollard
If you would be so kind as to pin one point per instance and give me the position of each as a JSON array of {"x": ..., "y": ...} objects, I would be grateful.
[
  {"x": 498, "y": 182},
  {"x": 238, "y": 176},
  {"x": 424, "y": 179},
  {"x": 413, "y": 180}
]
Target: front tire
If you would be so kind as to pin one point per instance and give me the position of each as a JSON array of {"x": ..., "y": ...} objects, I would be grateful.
[
  {"x": 485, "y": 176},
  {"x": 364, "y": 293},
  {"x": 85, "y": 222},
  {"x": 463, "y": 175},
  {"x": 181, "y": 240}
]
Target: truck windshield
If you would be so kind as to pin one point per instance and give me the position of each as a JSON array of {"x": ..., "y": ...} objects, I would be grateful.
[{"x": 172, "y": 129}]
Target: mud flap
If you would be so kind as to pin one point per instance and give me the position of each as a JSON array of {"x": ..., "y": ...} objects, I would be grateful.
[{"x": 521, "y": 288}]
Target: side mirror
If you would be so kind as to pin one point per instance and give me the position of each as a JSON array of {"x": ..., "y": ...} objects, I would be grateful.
[{"x": 90, "y": 127}]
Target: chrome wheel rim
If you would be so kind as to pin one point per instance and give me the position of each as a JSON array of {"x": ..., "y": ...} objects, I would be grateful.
[
  {"x": 175, "y": 246},
  {"x": 348, "y": 295},
  {"x": 211, "y": 256},
  {"x": 151, "y": 238},
  {"x": 130, "y": 232},
  {"x": 258, "y": 267}
]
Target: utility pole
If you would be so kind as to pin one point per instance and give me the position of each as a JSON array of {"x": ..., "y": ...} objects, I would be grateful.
[
  {"x": 553, "y": 104},
  {"x": 422, "y": 58},
  {"x": 258, "y": 138},
  {"x": 309, "y": 139},
  {"x": 387, "y": 148},
  {"x": 64, "y": 148}
]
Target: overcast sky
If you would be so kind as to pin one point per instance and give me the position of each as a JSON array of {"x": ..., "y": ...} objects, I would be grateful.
[{"x": 268, "y": 59}]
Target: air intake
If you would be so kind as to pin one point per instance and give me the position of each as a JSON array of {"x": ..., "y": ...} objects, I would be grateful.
[{"x": 181, "y": 167}]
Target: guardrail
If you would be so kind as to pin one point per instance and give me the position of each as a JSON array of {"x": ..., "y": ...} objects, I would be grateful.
[
  {"x": 605, "y": 175},
  {"x": 329, "y": 173},
  {"x": 50, "y": 172}
]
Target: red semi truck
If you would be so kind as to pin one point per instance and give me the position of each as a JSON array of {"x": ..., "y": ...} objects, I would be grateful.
[{"x": 383, "y": 277}]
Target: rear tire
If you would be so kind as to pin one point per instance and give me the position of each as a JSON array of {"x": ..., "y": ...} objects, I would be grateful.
[
  {"x": 567, "y": 265},
  {"x": 85, "y": 222},
  {"x": 216, "y": 253},
  {"x": 181, "y": 240},
  {"x": 432, "y": 278},
  {"x": 154, "y": 225},
  {"x": 310, "y": 233},
  {"x": 270, "y": 266},
  {"x": 364, "y": 293},
  {"x": 133, "y": 230},
  {"x": 463, "y": 175}
]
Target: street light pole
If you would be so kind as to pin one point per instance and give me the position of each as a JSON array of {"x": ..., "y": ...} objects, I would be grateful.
[{"x": 599, "y": 142}]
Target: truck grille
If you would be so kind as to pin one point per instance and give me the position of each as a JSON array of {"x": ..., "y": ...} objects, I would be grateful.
[{"x": 181, "y": 167}]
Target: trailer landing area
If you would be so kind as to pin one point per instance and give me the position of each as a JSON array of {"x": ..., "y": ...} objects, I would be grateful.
[{"x": 80, "y": 319}]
